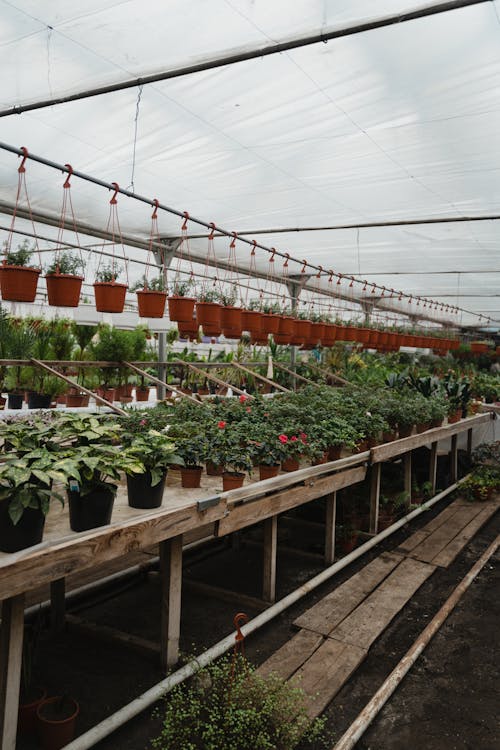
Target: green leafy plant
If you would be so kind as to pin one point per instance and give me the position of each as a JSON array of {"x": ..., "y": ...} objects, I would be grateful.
[
  {"x": 66, "y": 262},
  {"x": 208, "y": 295},
  {"x": 154, "y": 450},
  {"x": 232, "y": 707},
  {"x": 108, "y": 272},
  {"x": 26, "y": 481},
  {"x": 21, "y": 256},
  {"x": 156, "y": 284}
]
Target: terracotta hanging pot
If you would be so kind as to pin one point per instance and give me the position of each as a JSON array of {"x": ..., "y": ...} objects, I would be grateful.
[
  {"x": 181, "y": 309},
  {"x": 231, "y": 319},
  {"x": 270, "y": 323},
  {"x": 209, "y": 314},
  {"x": 286, "y": 325},
  {"x": 151, "y": 303},
  {"x": 317, "y": 332},
  {"x": 303, "y": 329},
  {"x": 329, "y": 335},
  {"x": 109, "y": 296},
  {"x": 251, "y": 322},
  {"x": 63, "y": 289},
  {"x": 18, "y": 283},
  {"x": 188, "y": 329}
]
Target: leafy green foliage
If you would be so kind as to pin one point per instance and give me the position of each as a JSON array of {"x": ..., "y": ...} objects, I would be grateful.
[
  {"x": 21, "y": 256},
  {"x": 67, "y": 262}
]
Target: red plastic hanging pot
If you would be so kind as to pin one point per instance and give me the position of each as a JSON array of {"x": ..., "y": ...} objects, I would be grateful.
[
  {"x": 181, "y": 309},
  {"x": 151, "y": 303},
  {"x": 330, "y": 335},
  {"x": 231, "y": 318},
  {"x": 109, "y": 296},
  {"x": 251, "y": 322},
  {"x": 63, "y": 289},
  {"x": 188, "y": 329},
  {"x": 270, "y": 323},
  {"x": 209, "y": 313},
  {"x": 18, "y": 283}
]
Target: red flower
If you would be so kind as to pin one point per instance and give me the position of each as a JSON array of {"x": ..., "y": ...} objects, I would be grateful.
[
  {"x": 221, "y": 424},
  {"x": 243, "y": 398},
  {"x": 283, "y": 438},
  {"x": 303, "y": 437},
  {"x": 294, "y": 438},
  {"x": 249, "y": 409}
]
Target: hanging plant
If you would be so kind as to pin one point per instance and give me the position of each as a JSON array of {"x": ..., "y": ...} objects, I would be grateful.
[
  {"x": 19, "y": 279},
  {"x": 64, "y": 280},
  {"x": 231, "y": 315},
  {"x": 209, "y": 312},
  {"x": 109, "y": 296},
  {"x": 151, "y": 294},
  {"x": 180, "y": 302}
]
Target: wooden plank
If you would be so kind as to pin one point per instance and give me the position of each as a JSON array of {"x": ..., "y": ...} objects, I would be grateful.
[
  {"x": 331, "y": 514},
  {"x": 326, "y": 671},
  {"x": 398, "y": 447},
  {"x": 171, "y": 572},
  {"x": 11, "y": 652},
  {"x": 407, "y": 477},
  {"x": 433, "y": 466},
  {"x": 375, "y": 473},
  {"x": 427, "y": 550},
  {"x": 324, "y": 616},
  {"x": 364, "y": 625},
  {"x": 57, "y": 604},
  {"x": 98, "y": 399},
  {"x": 260, "y": 377},
  {"x": 289, "y": 479},
  {"x": 225, "y": 595},
  {"x": 469, "y": 442},
  {"x": 269, "y": 559},
  {"x": 34, "y": 567},
  {"x": 413, "y": 541},
  {"x": 157, "y": 381},
  {"x": 111, "y": 635},
  {"x": 454, "y": 459},
  {"x": 241, "y": 516},
  {"x": 448, "y": 553},
  {"x": 292, "y": 655}
]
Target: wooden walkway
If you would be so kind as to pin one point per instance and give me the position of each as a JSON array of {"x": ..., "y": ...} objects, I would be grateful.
[{"x": 336, "y": 633}]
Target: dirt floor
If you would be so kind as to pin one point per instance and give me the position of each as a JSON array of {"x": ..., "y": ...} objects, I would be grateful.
[{"x": 449, "y": 700}]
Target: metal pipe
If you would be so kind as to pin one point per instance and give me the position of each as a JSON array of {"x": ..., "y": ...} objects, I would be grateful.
[
  {"x": 350, "y": 738},
  {"x": 155, "y": 693},
  {"x": 231, "y": 59}
]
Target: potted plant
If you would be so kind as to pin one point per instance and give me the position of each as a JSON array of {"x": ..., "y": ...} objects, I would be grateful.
[
  {"x": 231, "y": 315},
  {"x": 481, "y": 484},
  {"x": 18, "y": 279},
  {"x": 21, "y": 346},
  {"x": 209, "y": 312},
  {"x": 31, "y": 695},
  {"x": 56, "y": 719},
  {"x": 192, "y": 449},
  {"x": 268, "y": 450},
  {"x": 6, "y": 333},
  {"x": 180, "y": 304},
  {"x": 229, "y": 451},
  {"x": 155, "y": 451},
  {"x": 64, "y": 279},
  {"x": 151, "y": 297},
  {"x": 93, "y": 472},
  {"x": 109, "y": 296},
  {"x": 25, "y": 495},
  {"x": 346, "y": 538}
]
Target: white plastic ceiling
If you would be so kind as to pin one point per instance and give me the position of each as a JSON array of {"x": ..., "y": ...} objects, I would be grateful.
[{"x": 391, "y": 124}]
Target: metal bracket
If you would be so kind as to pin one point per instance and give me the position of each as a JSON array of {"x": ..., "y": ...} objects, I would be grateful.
[{"x": 208, "y": 502}]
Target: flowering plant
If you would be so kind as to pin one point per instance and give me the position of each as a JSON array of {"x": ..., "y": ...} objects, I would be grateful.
[
  {"x": 229, "y": 448},
  {"x": 270, "y": 447}
]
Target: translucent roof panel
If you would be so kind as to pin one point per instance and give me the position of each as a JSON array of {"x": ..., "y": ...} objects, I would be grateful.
[{"x": 366, "y": 128}]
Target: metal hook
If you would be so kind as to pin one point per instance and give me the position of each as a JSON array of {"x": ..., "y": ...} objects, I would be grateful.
[
  {"x": 287, "y": 258},
  {"x": 70, "y": 172},
  {"x": 339, "y": 280},
  {"x": 320, "y": 271},
  {"x": 156, "y": 205},
  {"x": 232, "y": 244},
  {"x": 240, "y": 619},
  {"x": 304, "y": 266},
  {"x": 330, "y": 280},
  {"x": 254, "y": 245},
  {"x": 271, "y": 259},
  {"x": 352, "y": 282},
  {"x": 116, "y": 189},
  {"x": 21, "y": 167},
  {"x": 212, "y": 230},
  {"x": 184, "y": 223}
]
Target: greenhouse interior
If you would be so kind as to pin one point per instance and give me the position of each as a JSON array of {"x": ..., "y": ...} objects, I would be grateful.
[{"x": 249, "y": 374}]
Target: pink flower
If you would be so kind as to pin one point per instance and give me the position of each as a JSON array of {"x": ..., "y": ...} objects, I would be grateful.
[
  {"x": 294, "y": 438},
  {"x": 221, "y": 424},
  {"x": 142, "y": 422},
  {"x": 243, "y": 398},
  {"x": 248, "y": 409},
  {"x": 283, "y": 439}
]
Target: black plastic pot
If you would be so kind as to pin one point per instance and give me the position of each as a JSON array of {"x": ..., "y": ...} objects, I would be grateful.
[
  {"x": 38, "y": 400},
  {"x": 91, "y": 510},
  {"x": 140, "y": 492},
  {"x": 14, "y": 401},
  {"x": 25, "y": 533}
]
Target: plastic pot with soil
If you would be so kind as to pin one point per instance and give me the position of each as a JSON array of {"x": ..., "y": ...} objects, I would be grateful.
[
  {"x": 141, "y": 493},
  {"x": 56, "y": 719},
  {"x": 91, "y": 510}
]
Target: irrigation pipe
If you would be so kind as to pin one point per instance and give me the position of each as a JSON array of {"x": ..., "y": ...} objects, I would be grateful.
[
  {"x": 370, "y": 711},
  {"x": 155, "y": 693}
]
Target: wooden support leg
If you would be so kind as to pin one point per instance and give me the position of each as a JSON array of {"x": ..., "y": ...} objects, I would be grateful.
[
  {"x": 331, "y": 513},
  {"x": 11, "y": 654},
  {"x": 469, "y": 442},
  {"x": 407, "y": 472},
  {"x": 57, "y": 604},
  {"x": 375, "y": 497},
  {"x": 270, "y": 550},
  {"x": 433, "y": 467},
  {"x": 171, "y": 572},
  {"x": 453, "y": 459}
]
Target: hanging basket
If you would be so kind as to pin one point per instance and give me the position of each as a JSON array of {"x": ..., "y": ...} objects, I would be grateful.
[
  {"x": 270, "y": 323},
  {"x": 209, "y": 314},
  {"x": 63, "y": 289},
  {"x": 317, "y": 333},
  {"x": 330, "y": 335},
  {"x": 231, "y": 322},
  {"x": 251, "y": 322},
  {"x": 286, "y": 325},
  {"x": 18, "y": 283},
  {"x": 109, "y": 296},
  {"x": 181, "y": 309},
  {"x": 151, "y": 303}
]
